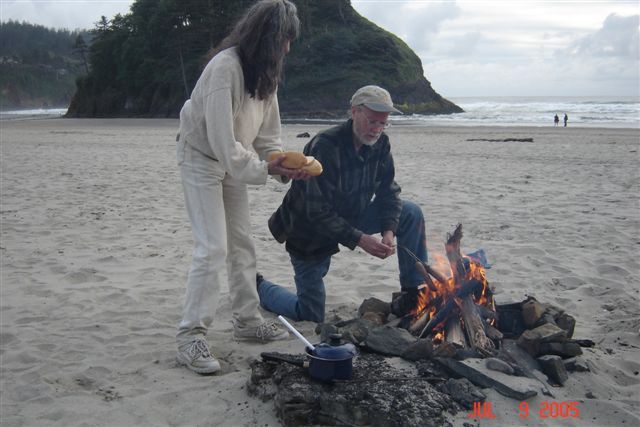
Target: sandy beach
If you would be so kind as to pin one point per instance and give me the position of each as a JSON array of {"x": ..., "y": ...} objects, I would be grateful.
[{"x": 95, "y": 247}]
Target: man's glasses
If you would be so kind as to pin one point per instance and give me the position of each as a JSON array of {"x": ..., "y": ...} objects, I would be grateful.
[{"x": 376, "y": 123}]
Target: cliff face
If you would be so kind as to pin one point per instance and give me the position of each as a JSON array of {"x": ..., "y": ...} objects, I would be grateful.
[
  {"x": 146, "y": 63},
  {"x": 340, "y": 51}
]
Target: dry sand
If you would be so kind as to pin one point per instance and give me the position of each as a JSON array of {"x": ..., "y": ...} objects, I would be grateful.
[{"x": 95, "y": 246}]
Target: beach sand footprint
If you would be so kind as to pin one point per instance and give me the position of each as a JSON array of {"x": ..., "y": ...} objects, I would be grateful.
[{"x": 84, "y": 275}]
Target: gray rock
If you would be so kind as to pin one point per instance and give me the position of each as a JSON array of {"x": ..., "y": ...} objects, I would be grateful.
[
  {"x": 553, "y": 367},
  {"x": 389, "y": 341},
  {"x": 499, "y": 365},
  {"x": 563, "y": 349},
  {"x": 576, "y": 364},
  {"x": 474, "y": 370},
  {"x": 566, "y": 322}
]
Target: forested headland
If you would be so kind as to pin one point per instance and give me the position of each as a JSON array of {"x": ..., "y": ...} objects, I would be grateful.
[
  {"x": 145, "y": 63},
  {"x": 39, "y": 66}
]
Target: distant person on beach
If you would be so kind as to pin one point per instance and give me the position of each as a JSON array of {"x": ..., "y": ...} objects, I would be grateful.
[
  {"x": 556, "y": 120},
  {"x": 233, "y": 107},
  {"x": 355, "y": 198},
  {"x": 566, "y": 119}
]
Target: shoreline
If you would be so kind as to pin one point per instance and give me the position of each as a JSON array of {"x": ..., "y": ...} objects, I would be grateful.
[{"x": 325, "y": 123}]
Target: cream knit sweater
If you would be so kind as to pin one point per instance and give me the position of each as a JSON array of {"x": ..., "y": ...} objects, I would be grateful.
[{"x": 222, "y": 121}]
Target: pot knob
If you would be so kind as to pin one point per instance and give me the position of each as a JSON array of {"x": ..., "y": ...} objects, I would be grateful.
[{"x": 335, "y": 350}]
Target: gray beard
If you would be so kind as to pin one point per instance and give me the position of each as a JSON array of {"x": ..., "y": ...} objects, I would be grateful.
[{"x": 369, "y": 143}]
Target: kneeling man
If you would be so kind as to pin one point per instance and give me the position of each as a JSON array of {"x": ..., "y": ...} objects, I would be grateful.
[{"x": 355, "y": 197}]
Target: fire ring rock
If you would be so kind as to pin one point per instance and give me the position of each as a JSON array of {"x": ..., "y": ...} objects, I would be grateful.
[{"x": 389, "y": 340}]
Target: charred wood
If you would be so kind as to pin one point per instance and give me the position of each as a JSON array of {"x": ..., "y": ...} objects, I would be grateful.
[
  {"x": 453, "y": 332},
  {"x": 377, "y": 395},
  {"x": 439, "y": 277},
  {"x": 442, "y": 314},
  {"x": 454, "y": 256},
  {"x": 473, "y": 325},
  {"x": 421, "y": 267}
]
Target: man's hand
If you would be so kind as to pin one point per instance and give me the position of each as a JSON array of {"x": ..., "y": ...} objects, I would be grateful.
[
  {"x": 389, "y": 239},
  {"x": 276, "y": 168},
  {"x": 372, "y": 246}
]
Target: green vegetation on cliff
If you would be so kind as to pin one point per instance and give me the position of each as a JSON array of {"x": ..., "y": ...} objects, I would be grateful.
[
  {"x": 145, "y": 63},
  {"x": 38, "y": 66},
  {"x": 340, "y": 51}
]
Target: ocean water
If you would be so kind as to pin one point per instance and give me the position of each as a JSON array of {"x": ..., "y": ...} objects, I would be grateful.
[
  {"x": 36, "y": 113},
  {"x": 609, "y": 112}
]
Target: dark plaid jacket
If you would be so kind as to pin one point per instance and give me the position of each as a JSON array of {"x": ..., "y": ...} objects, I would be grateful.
[{"x": 317, "y": 214}]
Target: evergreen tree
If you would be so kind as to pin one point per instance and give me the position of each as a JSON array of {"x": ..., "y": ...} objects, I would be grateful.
[{"x": 80, "y": 47}]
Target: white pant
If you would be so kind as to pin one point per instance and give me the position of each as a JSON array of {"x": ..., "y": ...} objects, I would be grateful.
[{"x": 218, "y": 207}]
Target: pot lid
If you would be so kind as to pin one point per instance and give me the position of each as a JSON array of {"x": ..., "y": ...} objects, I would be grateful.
[{"x": 335, "y": 350}]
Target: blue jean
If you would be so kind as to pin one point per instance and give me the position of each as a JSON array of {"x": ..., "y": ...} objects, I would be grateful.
[{"x": 309, "y": 300}]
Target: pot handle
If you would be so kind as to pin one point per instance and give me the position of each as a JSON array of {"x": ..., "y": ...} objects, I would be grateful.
[
  {"x": 279, "y": 357},
  {"x": 296, "y": 333}
]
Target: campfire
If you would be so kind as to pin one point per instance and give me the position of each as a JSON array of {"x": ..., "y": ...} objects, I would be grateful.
[
  {"x": 457, "y": 311},
  {"x": 460, "y": 340}
]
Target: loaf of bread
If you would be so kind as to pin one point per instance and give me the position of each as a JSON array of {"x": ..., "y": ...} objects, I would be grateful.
[
  {"x": 297, "y": 160},
  {"x": 313, "y": 167},
  {"x": 292, "y": 159}
]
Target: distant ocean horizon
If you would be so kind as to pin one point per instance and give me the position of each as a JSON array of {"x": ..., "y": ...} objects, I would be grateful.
[{"x": 582, "y": 111}]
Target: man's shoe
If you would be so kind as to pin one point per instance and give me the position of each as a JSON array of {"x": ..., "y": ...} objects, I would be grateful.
[
  {"x": 268, "y": 331},
  {"x": 197, "y": 357},
  {"x": 259, "y": 280}
]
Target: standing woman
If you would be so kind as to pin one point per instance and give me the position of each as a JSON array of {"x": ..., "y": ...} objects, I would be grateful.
[{"x": 233, "y": 107}]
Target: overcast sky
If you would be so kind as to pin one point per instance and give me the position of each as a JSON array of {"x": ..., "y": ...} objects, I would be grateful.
[{"x": 467, "y": 48}]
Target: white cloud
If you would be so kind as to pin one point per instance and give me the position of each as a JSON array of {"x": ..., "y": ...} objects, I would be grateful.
[
  {"x": 619, "y": 37},
  {"x": 413, "y": 21},
  {"x": 460, "y": 46},
  {"x": 69, "y": 14},
  {"x": 479, "y": 48},
  {"x": 467, "y": 48}
]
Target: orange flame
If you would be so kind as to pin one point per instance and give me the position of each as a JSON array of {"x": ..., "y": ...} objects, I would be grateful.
[{"x": 445, "y": 291}]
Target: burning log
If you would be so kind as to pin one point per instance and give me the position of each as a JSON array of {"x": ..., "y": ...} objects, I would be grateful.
[
  {"x": 423, "y": 316},
  {"x": 474, "y": 327},
  {"x": 454, "y": 256},
  {"x": 453, "y": 332},
  {"x": 469, "y": 288},
  {"x": 422, "y": 268},
  {"x": 439, "y": 277}
]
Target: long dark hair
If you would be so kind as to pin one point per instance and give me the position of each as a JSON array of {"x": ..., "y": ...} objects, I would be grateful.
[{"x": 260, "y": 35}]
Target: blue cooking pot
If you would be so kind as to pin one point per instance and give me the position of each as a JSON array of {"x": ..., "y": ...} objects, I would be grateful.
[{"x": 326, "y": 362}]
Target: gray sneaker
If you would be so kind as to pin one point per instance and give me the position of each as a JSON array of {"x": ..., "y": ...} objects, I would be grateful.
[
  {"x": 197, "y": 357},
  {"x": 267, "y": 331}
]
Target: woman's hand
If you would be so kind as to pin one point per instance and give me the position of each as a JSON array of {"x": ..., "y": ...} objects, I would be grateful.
[{"x": 275, "y": 168}]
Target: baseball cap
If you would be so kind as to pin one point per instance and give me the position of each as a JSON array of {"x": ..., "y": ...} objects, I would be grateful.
[{"x": 374, "y": 98}]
